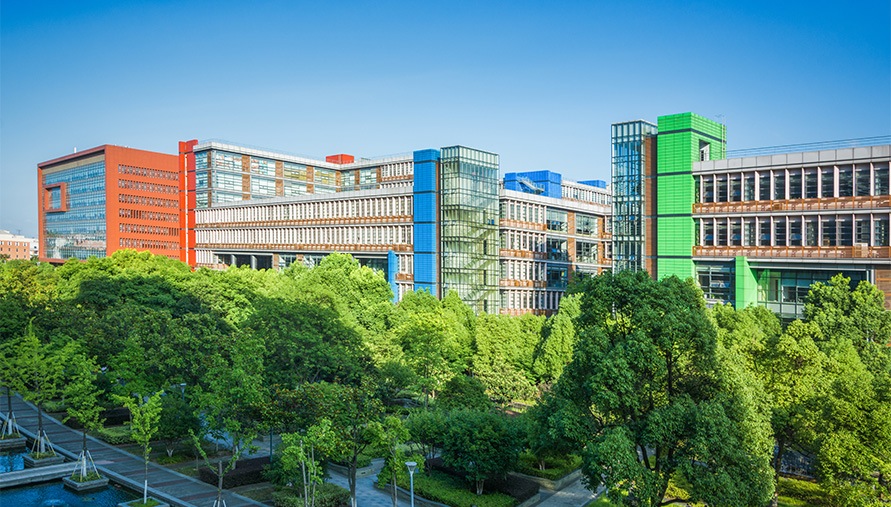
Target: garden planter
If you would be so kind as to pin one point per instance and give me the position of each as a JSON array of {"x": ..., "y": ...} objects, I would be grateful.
[
  {"x": 30, "y": 462},
  {"x": 85, "y": 485}
]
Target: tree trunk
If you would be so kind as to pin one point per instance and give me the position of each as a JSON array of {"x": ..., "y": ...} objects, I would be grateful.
[
  {"x": 41, "y": 444},
  {"x": 394, "y": 486},
  {"x": 479, "y": 486},
  {"x": 219, "y": 484},
  {"x": 352, "y": 480}
]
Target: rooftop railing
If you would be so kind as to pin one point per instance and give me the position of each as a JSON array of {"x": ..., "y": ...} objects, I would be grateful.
[
  {"x": 797, "y": 148},
  {"x": 267, "y": 153}
]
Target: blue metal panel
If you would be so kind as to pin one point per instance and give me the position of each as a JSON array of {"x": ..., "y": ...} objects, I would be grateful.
[
  {"x": 425, "y": 238},
  {"x": 392, "y": 269},
  {"x": 594, "y": 183},
  {"x": 426, "y": 155},
  {"x": 425, "y": 269},
  {"x": 424, "y": 207}
]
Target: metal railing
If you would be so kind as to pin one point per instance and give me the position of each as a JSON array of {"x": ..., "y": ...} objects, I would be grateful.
[
  {"x": 819, "y": 146},
  {"x": 306, "y": 159}
]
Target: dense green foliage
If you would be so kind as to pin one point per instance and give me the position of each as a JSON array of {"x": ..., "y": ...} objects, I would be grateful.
[{"x": 636, "y": 376}]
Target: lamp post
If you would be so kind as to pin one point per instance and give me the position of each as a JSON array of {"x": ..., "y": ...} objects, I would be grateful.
[
  {"x": 411, "y": 478},
  {"x": 182, "y": 390}
]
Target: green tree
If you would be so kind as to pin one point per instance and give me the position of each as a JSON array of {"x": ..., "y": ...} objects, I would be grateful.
[
  {"x": 427, "y": 429},
  {"x": 178, "y": 421},
  {"x": 40, "y": 378},
  {"x": 143, "y": 426},
  {"x": 393, "y": 434},
  {"x": 482, "y": 445},
  {"x": 648, "y": 397},
  {"x": 302, "y": 453},
  {"x": 463, "y": 391},
  {"x": 82, "y": 403},
  {"x": 554, "y": 350}
]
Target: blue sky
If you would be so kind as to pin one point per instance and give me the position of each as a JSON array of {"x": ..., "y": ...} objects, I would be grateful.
[{"x": 537, "y": 82}]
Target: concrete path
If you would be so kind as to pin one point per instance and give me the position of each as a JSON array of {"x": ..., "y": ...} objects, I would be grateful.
[
  {"x": 366, "y": 494},
  {"x": 123, "y": 467},
  {"x": 573, "y": 495}
]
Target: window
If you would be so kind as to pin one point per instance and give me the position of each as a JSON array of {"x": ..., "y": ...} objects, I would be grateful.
[
  {"x": 861, "y": 174},
  {"x": 779, "y": 232},
  {"x": 764, "y": 186},
  {"x": 827, "y": 182},
  {"x": 704, "y": 149},
  {"x": 764, "y": 231},
  {"x": 861, "y": 230},
  {"x": 749, "y": 187},
  {"x": 779, "y": 185},
  {"x": 735, "y": 187},
  {"x": 810, "y": 183},
  {"x": 828, "y": 226},
  {"x": 881, "y": 180},
  {"x": 736, "y": 232},
  {"x": 722, "y": 188},
  {"x": 795, "y": 184},
  {"x": 845, "y": 181},
  {"x": 795, "y": 231}
]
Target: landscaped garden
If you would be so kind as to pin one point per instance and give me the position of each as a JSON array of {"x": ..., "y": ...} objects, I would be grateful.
[{"x": 633, "y": 382}]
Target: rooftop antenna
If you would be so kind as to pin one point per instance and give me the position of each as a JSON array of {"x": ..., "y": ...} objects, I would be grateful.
[{"x": 720, "y": 117}]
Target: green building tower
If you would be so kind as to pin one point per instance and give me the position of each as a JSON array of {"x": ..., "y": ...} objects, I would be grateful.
[{"x": 683, "y": 139}]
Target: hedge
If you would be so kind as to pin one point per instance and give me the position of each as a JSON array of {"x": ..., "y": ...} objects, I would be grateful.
[
  {"x": 327, "y": 495},
  {"x": 443, "y": 488},
  {"x": 555, "y": 468},
  {"x": 115, "y": 435},
  {"x": 515, "y": 487},
  {"x": 246, "y": 471}
]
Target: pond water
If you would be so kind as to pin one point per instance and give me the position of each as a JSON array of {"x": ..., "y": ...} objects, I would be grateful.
[
  {"x": 54, "y": 494},
  {"x": 12, "y": 461}
]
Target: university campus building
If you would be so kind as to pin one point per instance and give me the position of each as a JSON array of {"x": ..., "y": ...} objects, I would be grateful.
[
  {"x": 758, "y": 227},
  {"x": 752, "y": 226},
  {"x": 94, "y": 202},
  {"x": 437, "y": 219}
]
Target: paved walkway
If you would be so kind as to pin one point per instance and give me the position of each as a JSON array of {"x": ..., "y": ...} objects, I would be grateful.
[
  {"x": 123, "y": 467},
  {"x": 366, "y": 494},
  {"x": 573, "y": 495}
]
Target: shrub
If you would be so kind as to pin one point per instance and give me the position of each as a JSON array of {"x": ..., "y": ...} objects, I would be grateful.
[
  {"x": 115, "y": 435},
  {"x": 555, "y": 467},
  {"x": 246, "y": 471},
  {"x": 327, "y": 495},
  {"x": 53, "y": 406},
  {"x": 441, "y": 487}
]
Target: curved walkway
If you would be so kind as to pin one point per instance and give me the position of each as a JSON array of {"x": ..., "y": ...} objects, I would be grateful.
[{"x": 123, "y": 467}]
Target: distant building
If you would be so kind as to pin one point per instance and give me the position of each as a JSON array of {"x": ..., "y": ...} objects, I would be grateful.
[
  {"x": 15, "y": 246},
  {"x": 438, "y": 220},
  {"x": 758, "y": 227},
  {"x": 94, "y": 202}
]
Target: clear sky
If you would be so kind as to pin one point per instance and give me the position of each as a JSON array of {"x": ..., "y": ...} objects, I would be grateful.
[{"x": 537, "y": 82}]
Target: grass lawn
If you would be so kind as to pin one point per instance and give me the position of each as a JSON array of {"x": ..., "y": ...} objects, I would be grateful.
[
  {"x": 796, "y": 493},
  {"x": 793, "y": 493}
]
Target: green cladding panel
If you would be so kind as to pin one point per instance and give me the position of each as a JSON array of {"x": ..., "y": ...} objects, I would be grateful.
[
  {"x": 683, "y": 139},
  {"x": 745, "y": 284}
]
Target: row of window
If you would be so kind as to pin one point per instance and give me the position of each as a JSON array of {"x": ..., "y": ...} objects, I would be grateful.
[
  {"x": 147, "y": 187},
  {"x": 148, "y": 229},
  {"x": 807, "y": 183},
  {"x": 148, "y": 215},
  {"x": 344, "y": 235},
  {"x": 147, "y": 201},
  {"x": 147, "y": 172},
  {"x": 392, "y": 206},
  {"x": 92, "y": 171},
  {"x": 822, "y": 230},
  {"x": 585, "y": 193},
  {"x": 520, "y": 299},
  {"x": 148, "y": 244}
]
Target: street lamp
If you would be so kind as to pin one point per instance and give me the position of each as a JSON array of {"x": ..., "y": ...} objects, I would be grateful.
[
  {"x": 411, "y": 478},
  {"x": 182, "y": 390}
]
